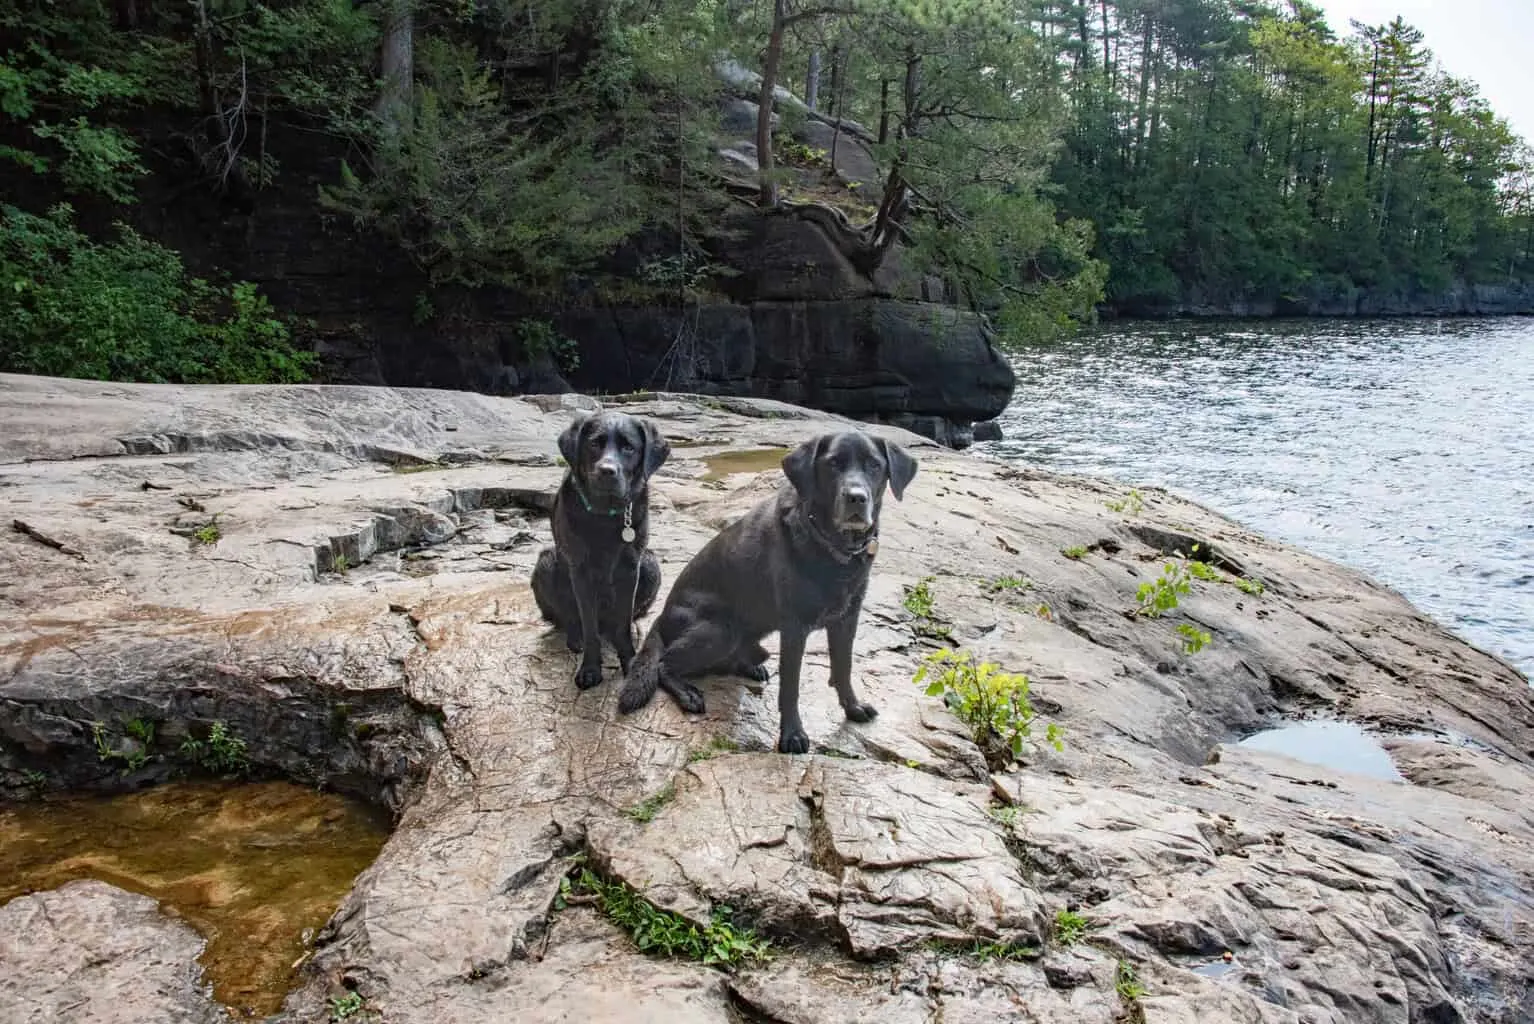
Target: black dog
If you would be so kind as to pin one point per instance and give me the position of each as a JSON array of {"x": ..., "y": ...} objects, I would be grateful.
[
  {"x": 795, "y": 563},
  {"x": 600, "y": 576}
]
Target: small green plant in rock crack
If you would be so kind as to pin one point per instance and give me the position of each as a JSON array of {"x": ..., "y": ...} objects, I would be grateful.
[
  {"x": 918, "y": 598},
  {"x": 204, "y": 534},
  {"x": 723, "y": 943},
  {"x": 985, "y": 952},
  {"x": 922, "y": 606},
  {"x": 716, "y": 745},
  {"x": 339, "y": 564},
  {"x": 347, "y": 1006},
  {"x": 1075, "y": 553},
  {"x": 136, "y": 755},
  {"x": 1249, "y": 586},
  {"x": 993, "y": 703},
  {"x": 1126, "y": 982},
  {"x": 645, "y": 811},
  {"x": 222, "y": 753},
  {"x": 1070, "y": 927},
  {"x": 1007, "y": 814},
  {"x": 34, "y": 780},
  {"x": 1193, "y": 638},
  {"x": 1008, "y": 585},
  {"x": 1132, "y": 504}
]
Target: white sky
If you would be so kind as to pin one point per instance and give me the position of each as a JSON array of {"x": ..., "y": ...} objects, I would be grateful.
[{"x": 1490, "y": 42}]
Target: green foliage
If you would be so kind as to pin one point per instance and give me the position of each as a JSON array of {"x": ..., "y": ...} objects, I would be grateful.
[
  {"x": 918, "y": 598},
  {"x": 541, "y": 340},
  {"x": 919, "y": 602},
  {"x": 1159, "y": 596},
  {"x": 1075, "y": 552},
  {"x": 126, "y": 310},
  {"x": 645, "y": 811},
  {"x": 208, "y": 533},
  {"x": 663, "y": 933},
  {"x": 135, "y": 754},
  {"x": 1126, "y": 982},
  {"x": 1132, "y": 504},
  {"x": 1251, "y": 587},
  {"x": 1070, "y": 927},
  {"x": 716, "y": 745},
  {"x": 220, "y": 753},
  {"x": 993, "y": 703},
  {"x": 1204, "y": 571},
  {"x": 1193, "y": 638},
  {"x": 1241, "y": 152},
  {"x": 1006, "y": 814},
  {"x": 1008, "y": 585},
  {"x": 347, "y": 1006}
]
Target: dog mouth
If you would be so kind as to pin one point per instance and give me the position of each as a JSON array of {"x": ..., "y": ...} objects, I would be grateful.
[{"x": 855, "y": 524}]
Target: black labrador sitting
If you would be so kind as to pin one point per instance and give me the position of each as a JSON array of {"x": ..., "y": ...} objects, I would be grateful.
[
  {"x": 600, "y": 576},
  {"x": 795, "y": 563}
]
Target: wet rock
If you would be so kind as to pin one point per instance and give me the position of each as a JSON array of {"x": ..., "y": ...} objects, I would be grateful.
[
  {"x": 896, "y": 872},
  {"x": 89, "y": 953}
]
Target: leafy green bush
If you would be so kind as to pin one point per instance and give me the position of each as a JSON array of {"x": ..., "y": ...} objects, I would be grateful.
[
  {"x": 994, "y": 704},
  {"x": 126, "y": 310}
]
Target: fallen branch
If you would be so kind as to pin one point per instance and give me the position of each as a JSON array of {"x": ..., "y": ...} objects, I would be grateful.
[{"x": 43, "y": 538}]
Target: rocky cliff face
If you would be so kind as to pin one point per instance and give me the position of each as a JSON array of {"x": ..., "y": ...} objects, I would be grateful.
[
  {"x": 791, "y": 315},
  {"x": 371, "y": 628}
]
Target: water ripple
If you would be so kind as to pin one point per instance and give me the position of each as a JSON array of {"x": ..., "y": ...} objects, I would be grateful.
[{"x": 1402, "y": 448}]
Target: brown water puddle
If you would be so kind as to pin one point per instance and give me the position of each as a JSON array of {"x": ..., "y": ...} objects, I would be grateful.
[
  {"x": 749, "y": 460},
  {"x": 251, "y": 866}
]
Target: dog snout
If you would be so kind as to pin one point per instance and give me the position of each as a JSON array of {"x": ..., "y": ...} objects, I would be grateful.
[
  {"x": 607, "y": 468},
  {"x": 856, "y": 498}
]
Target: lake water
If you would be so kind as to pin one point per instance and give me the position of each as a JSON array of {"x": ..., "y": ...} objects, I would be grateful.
[{"x": 1403, "y": 448}]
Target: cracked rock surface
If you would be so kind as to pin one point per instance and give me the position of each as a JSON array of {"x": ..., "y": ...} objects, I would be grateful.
[{"x": 360, "y": 614}]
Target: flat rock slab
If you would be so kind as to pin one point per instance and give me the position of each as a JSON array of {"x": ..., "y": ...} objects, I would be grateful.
[
  {"x": 340, "y": 575},
  {"x": 89, "y": 953}
]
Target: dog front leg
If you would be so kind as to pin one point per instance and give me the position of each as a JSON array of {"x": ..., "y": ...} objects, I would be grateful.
[
  {"x": 588, "y": 603},
  {"x": 791, "y": 735},
  {"x": 625, "y": 589},
  {"x": 839, "y": 637}
]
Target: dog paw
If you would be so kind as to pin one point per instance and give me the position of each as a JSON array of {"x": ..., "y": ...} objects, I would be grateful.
[
  {"x": 689, "y": 698},
  {"x": 573, "y": 641},
  {"x": 588, "y": 676},
  {"x": 631, "y": 699},
  {"x": 861, "y": 713},
  {"x": 794, "y": 741}
]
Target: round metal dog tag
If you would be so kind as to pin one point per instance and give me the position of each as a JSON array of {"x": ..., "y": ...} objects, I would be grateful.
[
  {"x": 873, "y": 547},
  {"x": 628, "y": 535}
]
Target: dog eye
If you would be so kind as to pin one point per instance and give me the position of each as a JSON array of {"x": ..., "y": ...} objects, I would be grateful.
[{"x": 625, "y": 446}]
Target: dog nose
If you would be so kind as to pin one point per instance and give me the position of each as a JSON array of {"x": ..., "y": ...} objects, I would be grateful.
[
  {"x": 856, "y": 497},
  {"x": 607, "y": 468}
]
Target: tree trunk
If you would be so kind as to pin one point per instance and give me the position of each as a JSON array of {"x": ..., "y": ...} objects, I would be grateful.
[
  {"x": 812, "y": 81},
  {"x": 767, "y": 187},
  {"x": 398, "y": 59},
  {"x": 884, "y": 110}
]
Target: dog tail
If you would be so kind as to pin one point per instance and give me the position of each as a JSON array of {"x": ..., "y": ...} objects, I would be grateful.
[{"x": 643, "y": 675}]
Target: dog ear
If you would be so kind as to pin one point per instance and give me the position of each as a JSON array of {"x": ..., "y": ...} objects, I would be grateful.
[
  {"x": 570, "y": 440},
  {"x": 799, "y": 466},
  {"x": 656, "y": 448},
  {"x": 902, "y": 467}
]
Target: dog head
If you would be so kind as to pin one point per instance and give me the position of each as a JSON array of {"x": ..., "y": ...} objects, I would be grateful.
[
  {"x": 611, "y": 454},
  {"x": 841, "y": 477}
]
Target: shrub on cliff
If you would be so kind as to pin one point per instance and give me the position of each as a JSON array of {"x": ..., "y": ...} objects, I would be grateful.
[{"x": 126, "y": 310}]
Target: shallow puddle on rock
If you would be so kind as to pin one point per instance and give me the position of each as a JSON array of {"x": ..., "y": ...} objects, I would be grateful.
[
  {"x": 750, "y": 460},
  {"x": 1215, "y": 968},
  {"x": 250, "y": 865},
  {"x": 1342, "y": 746}
]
